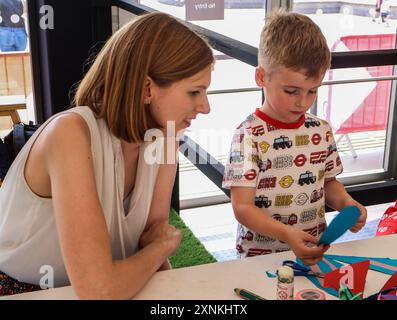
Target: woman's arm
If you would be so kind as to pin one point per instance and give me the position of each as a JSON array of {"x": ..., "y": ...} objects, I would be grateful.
[
  {"x": 81, "y": 225},
  {"x": 161, "y": 201}
]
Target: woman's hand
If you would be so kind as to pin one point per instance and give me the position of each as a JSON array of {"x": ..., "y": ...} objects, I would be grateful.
[
  {"x": 162, "y": 233},
  {"x": 298, "y": 241},
  {"x": 363, "y": 215}
]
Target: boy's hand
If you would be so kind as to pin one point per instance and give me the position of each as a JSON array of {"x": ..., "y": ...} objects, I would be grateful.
[
  {"x": 298, "y": 239},
  {"x": 363, "y": 215}
]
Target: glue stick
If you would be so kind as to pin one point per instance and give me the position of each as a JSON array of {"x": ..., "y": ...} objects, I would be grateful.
[{"x": 285, "y": 283}]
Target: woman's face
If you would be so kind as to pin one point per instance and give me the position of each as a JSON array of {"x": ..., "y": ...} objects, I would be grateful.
[{"x": 181, "y": 102}]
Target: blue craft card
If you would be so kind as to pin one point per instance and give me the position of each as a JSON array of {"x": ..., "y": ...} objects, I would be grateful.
[{"x": 340, "y": 224}]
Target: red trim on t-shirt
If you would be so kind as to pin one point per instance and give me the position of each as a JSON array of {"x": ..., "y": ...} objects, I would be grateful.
[{"x": 278, "y": 124}]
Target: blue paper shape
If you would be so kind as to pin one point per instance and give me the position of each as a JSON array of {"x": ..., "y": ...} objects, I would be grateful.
[
  {"x": 340, "y": 224},
  {"x": 271, "y": 274}
]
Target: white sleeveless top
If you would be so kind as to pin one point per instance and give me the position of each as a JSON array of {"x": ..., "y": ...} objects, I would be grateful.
[{"x": 28, "y": 234}]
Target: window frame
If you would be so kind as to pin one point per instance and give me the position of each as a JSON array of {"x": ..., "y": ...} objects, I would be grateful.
[{"x": 51, "y": 90}]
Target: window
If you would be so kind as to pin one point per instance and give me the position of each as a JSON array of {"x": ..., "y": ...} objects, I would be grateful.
[
  {"x": 357, "y": 108},
  {"x": 16, "y": 99},
  {"x": 358, "y": 102},
  {"x": 351, "y": 25},
  {"x": 237, "y": 13}
]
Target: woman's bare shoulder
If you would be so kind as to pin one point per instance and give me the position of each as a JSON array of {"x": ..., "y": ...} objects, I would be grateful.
[{"x": 65, "y": 133}]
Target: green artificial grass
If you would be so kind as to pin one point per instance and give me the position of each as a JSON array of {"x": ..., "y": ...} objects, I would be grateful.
[{"x": 191, "y": 251}]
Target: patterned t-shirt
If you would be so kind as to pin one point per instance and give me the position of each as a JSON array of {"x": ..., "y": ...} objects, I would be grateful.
[{"x": 287, "y": 164}]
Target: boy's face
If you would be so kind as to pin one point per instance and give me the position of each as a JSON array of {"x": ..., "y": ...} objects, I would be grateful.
[{"x": 288, "y": 94}]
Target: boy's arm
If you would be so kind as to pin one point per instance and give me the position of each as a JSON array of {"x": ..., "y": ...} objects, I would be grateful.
[
  {"x": 337, "y": 198},
  {"x": 243, "y": 199}
]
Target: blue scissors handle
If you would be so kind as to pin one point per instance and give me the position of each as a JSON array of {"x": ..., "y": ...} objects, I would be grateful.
[
  {"x": 298, "y": 269},
  {"x": 301, "y": 270}
]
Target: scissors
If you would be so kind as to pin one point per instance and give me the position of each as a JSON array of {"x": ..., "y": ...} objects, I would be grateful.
[{"x": 301, "y": 270}]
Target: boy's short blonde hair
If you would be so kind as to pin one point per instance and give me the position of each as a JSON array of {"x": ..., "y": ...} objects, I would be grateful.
[{"x": 294, "y": 41}]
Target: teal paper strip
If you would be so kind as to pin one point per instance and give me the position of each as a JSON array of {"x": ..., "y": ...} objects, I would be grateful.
[{"x": 375, "y": 263}]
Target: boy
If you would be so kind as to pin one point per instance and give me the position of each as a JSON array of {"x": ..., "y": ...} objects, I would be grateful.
[{"x": 283, "y": 161}]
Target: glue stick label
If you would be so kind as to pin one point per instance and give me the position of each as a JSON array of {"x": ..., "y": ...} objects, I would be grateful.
[{"x": 285, "y": 291}]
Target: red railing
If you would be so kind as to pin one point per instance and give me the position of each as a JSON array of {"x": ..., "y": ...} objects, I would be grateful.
[{"x": 372, "y": 113}]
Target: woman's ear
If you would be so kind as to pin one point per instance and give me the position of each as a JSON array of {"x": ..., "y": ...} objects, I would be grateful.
[
  {"x": 260, "y": 76},
  {"x": 148, "y": 90}
]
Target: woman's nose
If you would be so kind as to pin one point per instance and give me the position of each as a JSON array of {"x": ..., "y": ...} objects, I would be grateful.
[{"x": 205, "y": 106}]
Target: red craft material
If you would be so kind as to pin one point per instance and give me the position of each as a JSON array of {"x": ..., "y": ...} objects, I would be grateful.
[
  {"x": 353, "y": 275},
  {"x": 388, "y": 223}
]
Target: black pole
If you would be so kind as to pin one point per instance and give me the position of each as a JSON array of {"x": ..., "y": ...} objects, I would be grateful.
[{"x": 63, "y": 34}]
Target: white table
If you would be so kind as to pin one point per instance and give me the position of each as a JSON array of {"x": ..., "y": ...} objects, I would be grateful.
[{"x": 216, "y": 281}]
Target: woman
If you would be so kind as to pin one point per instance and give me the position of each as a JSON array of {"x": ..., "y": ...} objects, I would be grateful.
[{"x": 82, "y": 201}]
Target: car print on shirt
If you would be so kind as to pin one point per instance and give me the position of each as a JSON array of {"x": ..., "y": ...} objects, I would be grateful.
[
  {"x": 306, "y": 178},
  {"x": 250, "y": 142},
  {"x": 316, "y": 195},
  {"x": 239, "y": 248},
  {"x": 321, "y": 212},
  {"x": 250, "y": 175},
  {"x": 264, "y": 166},
  {"x": 249, "y": 236},
  {"x": 328, "y": 136},
  {"x": 271, "y": 128},
  {"x": 236, "y": 156},
  {"x": 302, "y": 140},
  {"x": 310, "y": 122},
  {"x": 253, "y": 158},
  {"x": 258, "y": 252},
  {"x": 282, "y": 142},
  {"x": 283, "y": 162},
  {"x": 290, "y": 220},
  {"x": 331, "y": 149},
  {"x": 264, "y": 146},
  {"x": 285, "y": 182},
  {"x": 329, "y": 166},
  {"x": 318, "y": 157},
  {"x": 283, "y": 200},
  {"x": 267, "y": 183},
  {"x": 264, "y": 239},
  {"x": 316, "y": 139},
  {"x": 262, "y": 201},
  {"x": 234, "y": 175},
  {"x": 300, "y": 160},
  {"x": 308, "y": 215},
  {"x": 258, "y": 130},
  {"x": 301, "y": 199}
]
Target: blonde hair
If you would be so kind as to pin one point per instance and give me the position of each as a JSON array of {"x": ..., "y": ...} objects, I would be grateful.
[
  {"x": 155, "y": 45},
  {"x": 294, "y": 41}
]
